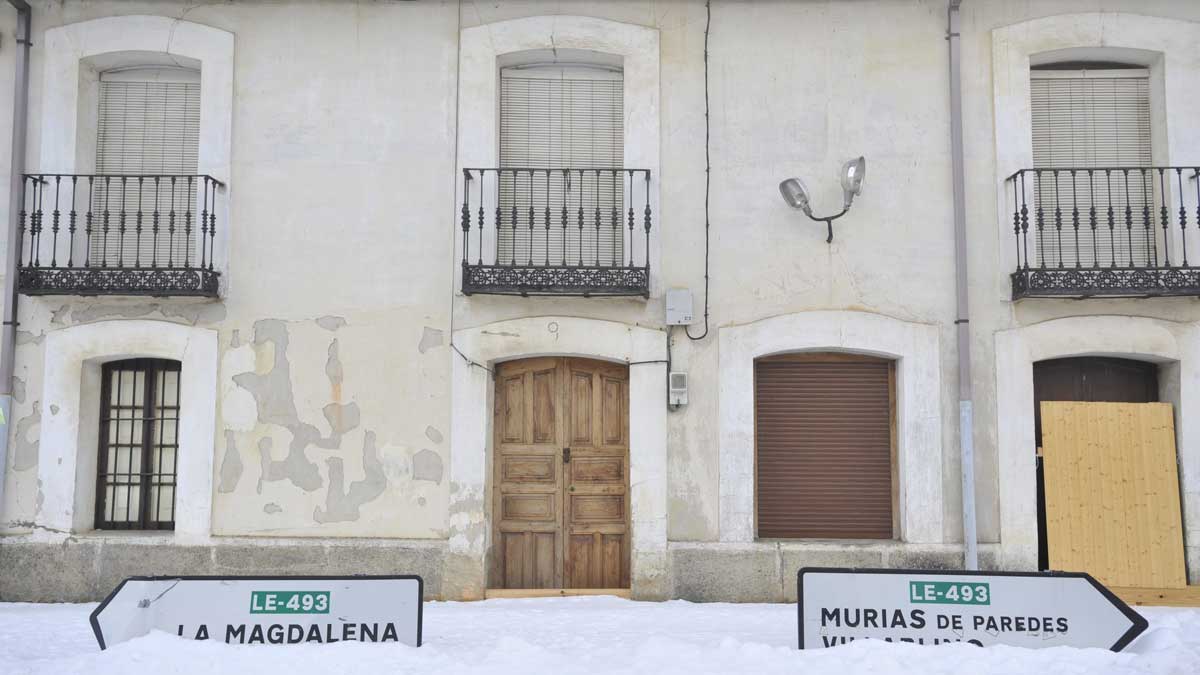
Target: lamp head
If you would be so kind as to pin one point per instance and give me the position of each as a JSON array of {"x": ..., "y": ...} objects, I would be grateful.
[
  {"x": 796, "y": 195},
  {"x": 853, "y": 173}
]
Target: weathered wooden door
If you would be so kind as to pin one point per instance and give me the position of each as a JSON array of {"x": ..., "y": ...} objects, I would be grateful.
[
  {"x": 561, "y": 475},
  {"x": 1112, "y": 492}
]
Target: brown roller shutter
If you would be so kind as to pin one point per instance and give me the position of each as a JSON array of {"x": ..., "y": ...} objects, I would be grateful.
[{"x": 824, "y": 456}]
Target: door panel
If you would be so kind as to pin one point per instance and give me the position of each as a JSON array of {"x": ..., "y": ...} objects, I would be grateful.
[
  {"x": 528, "y": 507},
  {"x": 597, "y": 507},
  {"x": 561, "y": 474}
]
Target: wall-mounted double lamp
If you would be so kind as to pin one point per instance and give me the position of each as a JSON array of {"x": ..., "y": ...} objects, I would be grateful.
[{"x": 796, "y": 194}]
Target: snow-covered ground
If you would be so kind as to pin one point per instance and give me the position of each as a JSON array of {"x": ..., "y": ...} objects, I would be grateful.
[{"x": 577, "y": 635}]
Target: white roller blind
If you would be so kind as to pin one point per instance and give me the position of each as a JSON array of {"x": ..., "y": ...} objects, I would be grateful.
[
  {"x": 148, "y": 123},
  {"x": 556, "y": 117},
  {"x": 1092, "y": 119}
]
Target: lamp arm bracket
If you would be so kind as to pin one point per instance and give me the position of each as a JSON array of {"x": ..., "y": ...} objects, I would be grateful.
[{"x": 828, "y": 220}]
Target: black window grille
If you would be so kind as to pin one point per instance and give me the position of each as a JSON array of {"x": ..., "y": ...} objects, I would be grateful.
[{"x": 139, "y": 445}]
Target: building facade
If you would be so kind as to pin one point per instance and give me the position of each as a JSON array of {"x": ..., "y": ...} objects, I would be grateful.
[{"x": 380, "y": 287}]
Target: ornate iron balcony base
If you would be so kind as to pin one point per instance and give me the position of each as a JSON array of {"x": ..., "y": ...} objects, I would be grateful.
[
  {"x": 1111, "y": 282},
  {"x": 555, "y": 280},
  {"x": 154, "y": 281}
]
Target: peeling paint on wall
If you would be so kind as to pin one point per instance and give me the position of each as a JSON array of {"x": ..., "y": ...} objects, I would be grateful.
[
  {"x": 272, "y": 507},
  {"x": 25, "y": 455},
  {"x": 331, "y": 323},
  {"x": 24, "y": 337},
  {"x": 342, "y": 504},
  {"x": 276, "y": 404},
  {"x": 334, "y": 371},
  {"x": 18, "y": 389},
  {"x": 427, "y": 465},
  {"x": 231, "y": 465},
  {"x": 235, "y": 340},
  {"x": 430, "y": 338},
  {"x": 192, "y": 313},
  {"x": 433, "y": 434}
]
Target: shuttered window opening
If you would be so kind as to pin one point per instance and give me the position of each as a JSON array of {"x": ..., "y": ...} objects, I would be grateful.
[
  {"x": 148, "y": 123},
  {"x": 1093, "y": 119},
  {"x": 824, "y": 459},
  {"x": 555, "y": 117}
]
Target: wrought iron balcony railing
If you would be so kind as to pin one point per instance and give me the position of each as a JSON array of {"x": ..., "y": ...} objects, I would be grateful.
[
  {"x": 1105, "y": 232},
  {"x": 556, "y": 231},
  {"x": 91, "y": 234}
]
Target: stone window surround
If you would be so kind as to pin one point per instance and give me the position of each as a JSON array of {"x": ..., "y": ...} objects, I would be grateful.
[
  {"x": 1174, "y": 345},
  {"x": 471, "y": 435},
  {"x": 1165, "y": 46},
  {"x": 75, "y": 53},
  {"x": 483, "y": 48},
  {"x": 914, "y": 346},
  {"x": 70, "y": 419}
]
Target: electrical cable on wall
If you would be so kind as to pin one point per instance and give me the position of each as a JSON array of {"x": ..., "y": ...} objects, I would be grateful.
[{"x": 707, "y": 176}]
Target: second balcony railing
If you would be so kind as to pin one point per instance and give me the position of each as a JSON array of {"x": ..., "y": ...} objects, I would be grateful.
[
  {"x": 1105, "y": 232},
  {"x": 556, "y": 231}
]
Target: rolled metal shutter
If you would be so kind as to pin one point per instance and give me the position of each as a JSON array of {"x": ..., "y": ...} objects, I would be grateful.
[{"x": 824, "y": 448}]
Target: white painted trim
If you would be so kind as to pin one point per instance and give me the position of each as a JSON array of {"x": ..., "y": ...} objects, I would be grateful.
[
  {"x": 1165, "y": 46},
  {"x": 471, "y": 415},
  {"x": 69, "y": 50},
  {"x": 1122, "y": 336},
  {"x": 72, "y": 359},
  {"x": 915, "y": 346},
  {"x": 481, "y": 48}
]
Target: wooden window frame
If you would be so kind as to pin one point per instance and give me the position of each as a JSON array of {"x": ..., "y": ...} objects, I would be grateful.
[
  {"x": 835, "y": 357},
  {"x": 151, "y": 369}
]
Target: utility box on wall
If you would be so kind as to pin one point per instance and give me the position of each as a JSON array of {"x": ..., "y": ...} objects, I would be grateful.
[{"x": 679, "y": 306}]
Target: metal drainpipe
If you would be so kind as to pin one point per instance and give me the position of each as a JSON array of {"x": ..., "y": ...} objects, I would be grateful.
[
  {"x": 16, "y": 199},
  {"x": 966, "y": 427}
]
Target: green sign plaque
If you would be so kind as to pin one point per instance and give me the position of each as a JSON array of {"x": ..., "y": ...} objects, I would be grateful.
[
  {"x": 949, "y": 593},
  {"x": 289, "y": 602}
]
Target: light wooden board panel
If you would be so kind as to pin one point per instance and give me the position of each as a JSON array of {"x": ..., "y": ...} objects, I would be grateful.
[
  {"x": 1188, "y": 596},
  {"x": 1112, "y": 492},
  {"x": 553, "y": 592}
]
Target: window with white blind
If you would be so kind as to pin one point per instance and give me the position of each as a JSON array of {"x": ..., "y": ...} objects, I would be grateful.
[
  {"x": 148, "y": 123},
  {"x": 1092, "y": 119},
  {"x": 561, "y": 117}
]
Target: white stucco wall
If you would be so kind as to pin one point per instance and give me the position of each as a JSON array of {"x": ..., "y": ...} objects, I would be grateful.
[{"x": 343, "y": 136}]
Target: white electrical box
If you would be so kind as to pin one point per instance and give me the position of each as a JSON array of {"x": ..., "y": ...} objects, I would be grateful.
[
  {"x": 679, "y": 306},
  {"x": 677, "y": 388}
]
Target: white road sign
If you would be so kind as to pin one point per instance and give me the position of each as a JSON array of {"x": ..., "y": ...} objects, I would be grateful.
[
  {"x": 264, "y": 610},
  {"x": 1023, "y": 609}
]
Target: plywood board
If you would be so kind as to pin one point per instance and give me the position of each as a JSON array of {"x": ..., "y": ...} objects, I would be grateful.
[{"x": 1112, "y": 492}]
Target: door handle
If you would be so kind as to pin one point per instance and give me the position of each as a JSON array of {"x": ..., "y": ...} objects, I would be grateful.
[{"x": 566, "y": 455}]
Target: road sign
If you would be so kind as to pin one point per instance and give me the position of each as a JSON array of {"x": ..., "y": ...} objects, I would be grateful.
[
  {"x": 1023, "y": 609},
  {"x": 264, "y": 610}
]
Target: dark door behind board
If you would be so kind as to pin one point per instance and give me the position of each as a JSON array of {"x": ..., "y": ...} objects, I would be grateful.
[{"x": 1084, "y": 378}]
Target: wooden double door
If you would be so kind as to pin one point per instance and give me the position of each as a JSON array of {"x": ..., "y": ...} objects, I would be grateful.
[{"x": 561, "y": 474}]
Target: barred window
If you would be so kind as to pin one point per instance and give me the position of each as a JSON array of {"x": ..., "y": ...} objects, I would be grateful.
[{"x": 139, "y": 442}]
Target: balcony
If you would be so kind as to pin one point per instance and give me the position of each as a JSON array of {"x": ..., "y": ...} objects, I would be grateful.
[
  {"x": 1105, "y": 232},
  {"x": 89, "y": 234},
  {"x": 556, "y": 231}
]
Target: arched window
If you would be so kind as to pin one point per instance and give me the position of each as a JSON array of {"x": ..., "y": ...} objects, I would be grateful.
[{"x": 139, "y": 440}]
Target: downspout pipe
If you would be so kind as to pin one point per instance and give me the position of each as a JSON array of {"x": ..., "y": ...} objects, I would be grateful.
[
  {"x": 966, "y": 426},
  {"x": 16, "y": 200}
]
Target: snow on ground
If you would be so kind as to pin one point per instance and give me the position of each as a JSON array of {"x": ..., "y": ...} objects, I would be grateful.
[{"x": 577, "y": 635}]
